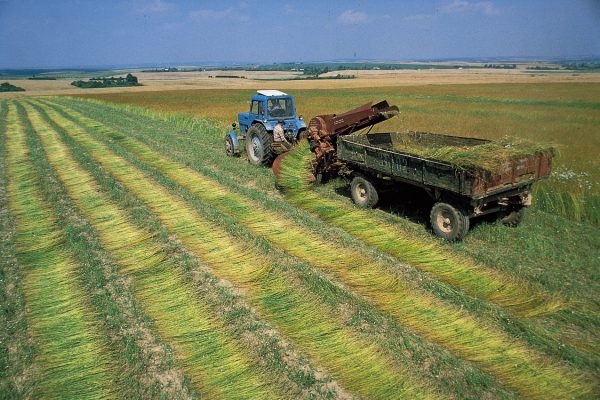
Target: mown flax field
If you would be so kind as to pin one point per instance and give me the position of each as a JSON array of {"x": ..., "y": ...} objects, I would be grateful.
[{"x": 176, "y": 272}]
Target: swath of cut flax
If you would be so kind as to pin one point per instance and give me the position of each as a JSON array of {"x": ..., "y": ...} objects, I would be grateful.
[
  {"x": 357, "y": 364},
  {"x": 514, "y": 366},
  {"x": 209, "y": 356},
  {"x": 72, "y": 358}
]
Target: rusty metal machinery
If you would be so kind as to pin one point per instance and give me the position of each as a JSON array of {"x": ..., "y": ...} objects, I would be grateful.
[{"x": 323, "y": 131}]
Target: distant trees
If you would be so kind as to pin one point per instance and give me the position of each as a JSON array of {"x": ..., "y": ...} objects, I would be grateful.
[
  {"x": 132, "y": 80},
  {"x": 7, "y": 87},
  {"x": 315, "y": 70},
  {"x": 169, "y": 69},
  {"x": 543, "y": 68},
  {"x": 582, "y": 66},
  {"x": 501, "y": 66},
  {"x": 129, "y": 80}
]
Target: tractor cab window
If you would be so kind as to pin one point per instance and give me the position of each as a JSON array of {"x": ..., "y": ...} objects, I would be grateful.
[
  {"x": 254, "y": 107},
  {"x": 280, "y": 107}
]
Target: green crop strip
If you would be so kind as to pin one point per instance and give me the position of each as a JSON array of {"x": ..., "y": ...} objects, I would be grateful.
[
  {"x": 144, "y": 365},
  {"x": 473, "y": 279},
  {"x": 15, "y": 343},
  {"x": 70, "y": 355},
  {"x": 509, "y": 360},
  {"x": 358, "y": 365},
  {"x": 403, "y": 346},
  {"x": 210, "y": 358}
]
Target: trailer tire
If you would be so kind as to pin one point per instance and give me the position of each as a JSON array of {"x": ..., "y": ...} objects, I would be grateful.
[
  {"x": 448, "y": 222},
  {"x": 514, "y": 217},
  {"x": 363, "y": 192},
  {"x": 258, "y": 146}
]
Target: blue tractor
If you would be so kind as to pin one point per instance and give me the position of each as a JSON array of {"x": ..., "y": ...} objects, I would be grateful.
[{"x": 264, "y": 140}]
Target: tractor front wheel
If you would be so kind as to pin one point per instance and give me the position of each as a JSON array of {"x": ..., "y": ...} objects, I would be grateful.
[
  {"x": 230, "y": 149},
  {"x": 258, "y": 146}
]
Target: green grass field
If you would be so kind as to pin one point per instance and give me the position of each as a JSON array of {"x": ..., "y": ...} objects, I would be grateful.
[{"x": 138, "y": 261}]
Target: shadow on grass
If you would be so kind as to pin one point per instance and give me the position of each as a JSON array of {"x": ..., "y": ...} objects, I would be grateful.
[{"x": 411, "y": 203}]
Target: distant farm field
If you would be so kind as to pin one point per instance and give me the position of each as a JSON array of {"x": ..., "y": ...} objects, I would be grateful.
[
  {"x": 564, "y": 114},
  {"x": 138, "y": 261}
]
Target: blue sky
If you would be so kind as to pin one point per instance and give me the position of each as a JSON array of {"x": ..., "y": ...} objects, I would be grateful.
[{"x": 39, "y": 34}]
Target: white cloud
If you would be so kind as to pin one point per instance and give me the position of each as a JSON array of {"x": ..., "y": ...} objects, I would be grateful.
[
  {"x": 351, "y": 17},
  {"x": 290, "y": 9},
  {"x": 462, "y": 6},
  {"x": 212, "y": 13},
  {"x": 228, "y": 13},
  {"x": 152, "y": 6}
]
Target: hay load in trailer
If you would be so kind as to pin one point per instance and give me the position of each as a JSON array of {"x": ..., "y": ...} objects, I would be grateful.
[{"x": 475, "y": 155}]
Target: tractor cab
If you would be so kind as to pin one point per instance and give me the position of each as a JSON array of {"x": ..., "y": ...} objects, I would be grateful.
[{"x": 268, "y": 108}]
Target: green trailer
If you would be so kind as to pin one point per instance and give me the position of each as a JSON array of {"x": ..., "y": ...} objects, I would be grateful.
[{"x": 461, "y": 190}]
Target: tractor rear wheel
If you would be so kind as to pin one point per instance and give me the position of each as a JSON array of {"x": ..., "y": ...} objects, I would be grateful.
[
  {"x": 258, "y": 146},
  {"x": 448, "y": 222}
]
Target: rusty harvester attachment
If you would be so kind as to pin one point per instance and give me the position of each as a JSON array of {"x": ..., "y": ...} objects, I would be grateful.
[{"x": 323, "y": 131}]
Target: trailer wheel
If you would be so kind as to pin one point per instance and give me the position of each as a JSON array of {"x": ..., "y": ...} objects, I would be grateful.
[
  {"x": 364, "y": 193},
  {"x": 448, "y": 222},
  {"x": 258, "y": 146},
  {"x": 514, "y": 217}
]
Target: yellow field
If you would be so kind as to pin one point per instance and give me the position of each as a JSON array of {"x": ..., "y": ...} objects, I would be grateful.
[{"x": 155, "y": 81}]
